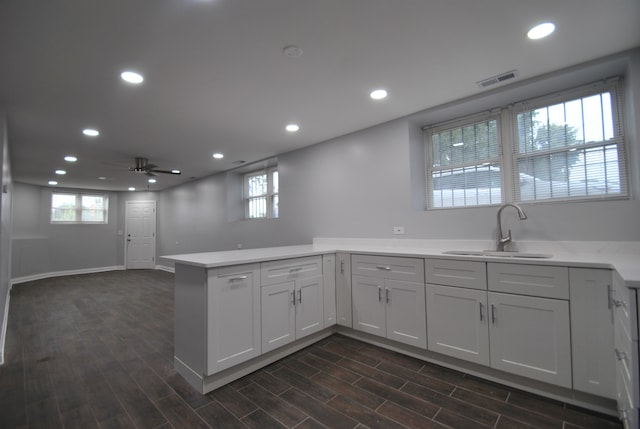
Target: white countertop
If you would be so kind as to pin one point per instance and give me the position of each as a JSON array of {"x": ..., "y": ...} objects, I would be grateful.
[{"x": 624, "y": 257}]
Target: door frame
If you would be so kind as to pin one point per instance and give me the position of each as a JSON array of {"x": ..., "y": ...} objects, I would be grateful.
[{"x": 126, "y": 228}]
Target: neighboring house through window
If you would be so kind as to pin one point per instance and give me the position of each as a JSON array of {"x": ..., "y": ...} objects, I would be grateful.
[
  {"x": 261, "y": 194},
  {"x": 79, "y": 208}
]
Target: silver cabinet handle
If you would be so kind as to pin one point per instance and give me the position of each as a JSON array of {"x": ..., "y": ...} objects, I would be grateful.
[
  {"x": 293, "y": 297},
  {"x": 481, "y": 311},
  {"x": 388, "y": 293},
  {"x": 295, "y": 269},
  {"x": 237, "y": 279},
  {"x": 620, "y": 303},
  {"x": 341, "y": 267},
  {"x": 609, "y": 297},
  {"x": 300, "y": 296},
  {"x": 382, "y": 267},
  {"x": 379, "y": 294},
  {"x": 493, "y": 314},
  {"x": 621, "y": 355}
]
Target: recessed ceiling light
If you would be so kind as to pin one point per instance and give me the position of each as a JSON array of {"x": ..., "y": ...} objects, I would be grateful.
[
  {"x": 61, "y": 172},
  {"x": 218, "y": 155},
  {"x": 175, "y": 171},
  {"x": 292, "y": 51},
  {"x": 541, "y": 30},
  {"x": 132, "y": 188},
  {"x": 91, "y": 132},
  {"x": 152, "y": 180},
  {"x": 70, "y": 158},
  {"x": 378, "y": 94},
  {"x": 292, "y": 128},
  {"x": 132, "y": 77},
  {"x": 53, "y": 182},
  {"x": 102, "y": 178}
]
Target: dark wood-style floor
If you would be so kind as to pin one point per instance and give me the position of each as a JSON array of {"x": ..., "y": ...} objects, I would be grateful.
[{"x": 95, "y": 351}]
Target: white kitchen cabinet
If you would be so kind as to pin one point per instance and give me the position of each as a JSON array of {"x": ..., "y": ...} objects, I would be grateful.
[
  {"x": 530, "y": 336},
  {"x": 384, "y": 303},
  {"x": 343, "y": 290},
  {"x": 233, "y": 317},
  {"x": 329, "y": 289},
  {"x": 292, "y": 304},
  {"x": 592, "y": 339},
  {"x": 457, "y": 322}
]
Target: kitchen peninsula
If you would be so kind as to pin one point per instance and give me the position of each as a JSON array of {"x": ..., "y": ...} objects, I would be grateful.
[{"x": 563, "y": 326}]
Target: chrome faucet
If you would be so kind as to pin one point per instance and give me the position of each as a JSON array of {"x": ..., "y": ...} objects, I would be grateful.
[{"x": 501, "y": 241}]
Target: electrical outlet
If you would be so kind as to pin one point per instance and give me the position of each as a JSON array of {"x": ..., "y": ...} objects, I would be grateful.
[{"x": 398, "y": 230}]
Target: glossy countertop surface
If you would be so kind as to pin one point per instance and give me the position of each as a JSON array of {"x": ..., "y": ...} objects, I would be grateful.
[{"x": 624, "y": 257}]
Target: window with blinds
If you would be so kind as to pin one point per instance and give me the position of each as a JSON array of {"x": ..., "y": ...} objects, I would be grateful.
[
  {"x": 261, "y": 194},
  {"x": 463, "y": 165},
  {"x": 570, "y": 149},
  {"x": 565, "y": 147}
]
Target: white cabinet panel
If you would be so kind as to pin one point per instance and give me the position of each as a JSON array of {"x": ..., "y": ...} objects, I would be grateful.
[
  {"x": 388, "y": 267},
  {"x": 278, "y": 315},
  {"x": 530, "y": 337},
  {"x": 532, "y": 280},
  {"x": 329, "y": 278},
  {"x": 406, "y": 313},
  {"x": 457, "y": 323},
  {"x": 343, "y": 290},
  {"x": 275, "y": 272},
  {"x": 233, "y": 317},
  {"x": 309, "y": 306},
  {"x": 468, "y": 274},
  {"x": 369, "y": 314},
  {"x": 592, "y": 331}
]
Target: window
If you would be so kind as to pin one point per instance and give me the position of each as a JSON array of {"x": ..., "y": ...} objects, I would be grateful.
[
  {"x": 565, "y": 147},
  {"x": 571, "y": 149},
  {"x": 79, "y": 208},
  {"x": 261, "y": 194},
  {"x": 464, "y": 164}
]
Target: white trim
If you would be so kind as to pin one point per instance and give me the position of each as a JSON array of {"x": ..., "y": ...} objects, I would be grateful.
[
  {"x": 41, "y": 276},
  {"x": 165, "y": 268},
  {"x": 5, "y": 321}
]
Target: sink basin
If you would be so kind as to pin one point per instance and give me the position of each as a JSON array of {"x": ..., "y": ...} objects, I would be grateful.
[{"x": 505, "y": 254}]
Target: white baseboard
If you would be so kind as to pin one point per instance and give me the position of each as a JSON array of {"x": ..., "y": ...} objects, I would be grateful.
[
  {"x": 5, "y": 321},
  {"x": 165, "y": 268},
  {"x": 41, "y": 276}
]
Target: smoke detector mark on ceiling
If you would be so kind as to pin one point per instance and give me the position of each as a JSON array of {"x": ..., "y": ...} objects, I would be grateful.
[{"x": 497, "y": 79}]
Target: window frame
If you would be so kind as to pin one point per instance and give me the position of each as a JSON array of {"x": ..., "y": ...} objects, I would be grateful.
[
  {"x": 508, "y": 141},
  {"x": 78, "y": 209},
  {"x": 272, "y": 207},
  {"x": 455, "y": 124}
]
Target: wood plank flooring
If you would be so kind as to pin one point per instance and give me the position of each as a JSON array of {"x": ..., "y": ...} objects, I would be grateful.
[{"x": 95, "y": 351}]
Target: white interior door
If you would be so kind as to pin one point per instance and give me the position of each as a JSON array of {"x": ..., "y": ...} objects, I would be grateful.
[{"x": 140, "y": 234}]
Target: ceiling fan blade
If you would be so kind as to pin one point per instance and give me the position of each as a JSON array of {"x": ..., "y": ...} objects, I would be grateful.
[{"x": 166, "y": 171}]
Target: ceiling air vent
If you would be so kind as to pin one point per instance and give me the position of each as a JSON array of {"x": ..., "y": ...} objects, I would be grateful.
[{"x": 497, "y": 79}]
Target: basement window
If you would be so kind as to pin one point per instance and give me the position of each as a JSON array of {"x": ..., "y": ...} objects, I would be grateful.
[
  {"x": 79, "y": 208},
  {"x": 261, "y": 194}
]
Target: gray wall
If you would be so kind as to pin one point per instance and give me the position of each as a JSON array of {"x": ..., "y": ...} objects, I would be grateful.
[
  {"x": 359, "y": 185},
  {"x": 5, "y": 228},
  {"x": 40, "y": 247}
]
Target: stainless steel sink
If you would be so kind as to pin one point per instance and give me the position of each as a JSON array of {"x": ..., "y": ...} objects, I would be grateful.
[{"x": 495, "y": 253}]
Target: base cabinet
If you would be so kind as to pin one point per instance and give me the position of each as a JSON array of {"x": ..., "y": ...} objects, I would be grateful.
[{"x": 343, "y": 290}]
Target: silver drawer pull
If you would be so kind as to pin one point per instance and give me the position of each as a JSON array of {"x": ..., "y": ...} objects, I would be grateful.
[
  {"x": 382, "y": 267},
  {"x": 295, "y": 269},
  {"x": 481, "y": 311},
  {"x": 293, "y": 297},
  {"x": 388, "y": 295},
  {"x": 379, "y": 294},
  {"x": 493, "y": 314},
  {"x": 300, "y": 296},
  {"x": 237, "y": 279},
  {"x": 341, "y": 267}
]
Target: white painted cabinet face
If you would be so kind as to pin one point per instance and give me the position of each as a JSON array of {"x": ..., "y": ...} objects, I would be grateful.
[
  {"x": 278, "y": 315},
  {"x": 592, "y": 339},
  {"x": 343, "y": 290}
]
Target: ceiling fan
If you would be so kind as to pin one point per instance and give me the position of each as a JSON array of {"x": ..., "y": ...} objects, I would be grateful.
[{"x": 143, "y": 166}]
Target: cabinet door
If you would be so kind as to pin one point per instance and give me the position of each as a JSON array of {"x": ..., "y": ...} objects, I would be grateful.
[
  {"x": 406, "y": 312},
  {"x": 457, "y": 323},
  {"x": 592, "y": 332},
  {"x": 278, "y": 315},
  {"x": 309, "y": 306},
  {"x": 368, "y": 305},
  {"x": 233, "y": 325},
  {"x": 530, "y": 337},
  {"x": 329, "y": 289},
  {"x": 343, "y": 289}
]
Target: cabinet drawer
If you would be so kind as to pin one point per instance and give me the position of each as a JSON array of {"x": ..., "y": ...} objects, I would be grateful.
[
  {"x": 534, "y": 280},
  {"x": 469, "y": 274},
  {"x": 388, "y": 267},
  {"x": 275, "y": 272}
]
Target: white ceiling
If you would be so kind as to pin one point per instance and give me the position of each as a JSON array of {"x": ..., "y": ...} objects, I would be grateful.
[{"x": 216, "y": 78}]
